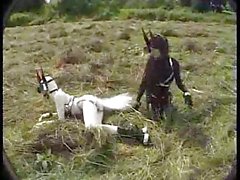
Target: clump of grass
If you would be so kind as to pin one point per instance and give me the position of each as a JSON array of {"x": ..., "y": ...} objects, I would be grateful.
[
  {"x": 21, "y": 19},
  {"x": 146, "y": 14},
  {"x": 169, "y": 31},
  {"x": 191, "y": 45},
  {"x": 73, "y": 56},
  {"x": 174, "y": 156},
  {"x": 196, "y": 31},
  {"x": 123, "y": 35},
  {"x": 66, "y": 138},
  {"x": 51, "y": 13},
  {"x": 72, "y": 73},
  {"x": 211, "y": 46},
  {"x": 194, "y": 136},
  {"x": 44, "y": 162},
  {"x": 103, "y": 157},
  {"x": 176, "y": 14},
  {"x": 100, "y": 33},
  {"x": 96, "y": 44},
  {"x": 58, "y": 33},
  {"x": 183, "y": 15},
  {"x": 98, "y": 65}
]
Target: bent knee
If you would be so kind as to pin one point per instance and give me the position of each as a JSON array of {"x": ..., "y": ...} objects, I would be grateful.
[{"x": 92, "y": 126}]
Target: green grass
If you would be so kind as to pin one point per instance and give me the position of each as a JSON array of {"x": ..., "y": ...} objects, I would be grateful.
[
  {"x": 176, "y": 14},
  {"x": 199, "y": 147},
  {"x": 51, "y": 13}
]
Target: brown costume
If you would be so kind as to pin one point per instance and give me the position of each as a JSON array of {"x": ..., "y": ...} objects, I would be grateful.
[{"x": 159, "y": 73}]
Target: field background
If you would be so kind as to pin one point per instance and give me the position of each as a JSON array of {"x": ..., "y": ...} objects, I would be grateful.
[{"x": 108, "y": 56}]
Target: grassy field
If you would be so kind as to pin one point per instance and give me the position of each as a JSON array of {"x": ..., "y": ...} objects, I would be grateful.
[{"x": 201, "y": 145}]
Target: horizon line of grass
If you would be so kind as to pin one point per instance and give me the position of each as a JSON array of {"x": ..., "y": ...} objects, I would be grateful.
[{"x": 49, "y": 13}]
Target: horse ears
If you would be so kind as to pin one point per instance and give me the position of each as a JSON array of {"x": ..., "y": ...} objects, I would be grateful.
[
  {"x": 151, "y": 34},
  {"x": 38, "y": 77},
  {"x": 43, "y": 76},
  {"x": 40, "y": 74},
  {"x": 145, "y": 36}
]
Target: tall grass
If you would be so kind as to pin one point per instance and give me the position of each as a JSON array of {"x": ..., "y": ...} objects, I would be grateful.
[
  {"x": 50, "y": 13},
  {"x": 198, "y": 145}
]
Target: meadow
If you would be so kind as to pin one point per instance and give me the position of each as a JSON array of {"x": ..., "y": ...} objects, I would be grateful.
[{"x": 108, "y": 61}]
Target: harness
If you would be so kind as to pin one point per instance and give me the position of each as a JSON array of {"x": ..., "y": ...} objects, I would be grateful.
[
  {"x": 53, "y": 89},
  {"x": 68, "y": 106},
  {"x": 166, "y": 83},
  {"x": 46, "y": 84}
]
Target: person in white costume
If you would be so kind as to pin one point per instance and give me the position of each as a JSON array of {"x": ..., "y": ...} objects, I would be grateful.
[{"x": 88, "y": 108}]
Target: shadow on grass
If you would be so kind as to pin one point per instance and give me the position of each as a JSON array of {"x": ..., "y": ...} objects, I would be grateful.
[
  {"x": 98, "y": 150},
  {"x": 188, "y": 123},
  {"x": 100, "y": 160}
]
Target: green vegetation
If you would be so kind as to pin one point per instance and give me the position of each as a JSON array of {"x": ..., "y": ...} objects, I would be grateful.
[
  {"x": 73, "y": 10},
  {"x": 108, "y": 61}
]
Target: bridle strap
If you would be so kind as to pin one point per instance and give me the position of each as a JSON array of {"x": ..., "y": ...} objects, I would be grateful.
[
  {"x": 53, "y": 91},
  {"x": 90, "y": 102},
  {"x": 50, "y": 81},
  {"x": 70, "y": 101},
  {"x": 42, "y": 81},
  {"x": 46, "y": 82},
  {"x": 166, "y": 82}
]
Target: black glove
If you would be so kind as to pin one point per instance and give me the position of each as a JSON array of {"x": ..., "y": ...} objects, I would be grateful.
[
  {"x": 38, "y": 89},
  {"x": 188, "y": 99},
  {"x": 137, "y": 105}
]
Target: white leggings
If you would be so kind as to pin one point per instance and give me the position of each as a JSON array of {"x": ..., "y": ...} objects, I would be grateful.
[
  {"x": 93, "y": 118},
  {"x": 91, "y": 115}
]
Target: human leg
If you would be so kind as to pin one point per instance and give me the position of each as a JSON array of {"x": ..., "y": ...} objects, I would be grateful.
[
  {"x": 155, "y": 112},
  {"x": 93, "y": 119}
]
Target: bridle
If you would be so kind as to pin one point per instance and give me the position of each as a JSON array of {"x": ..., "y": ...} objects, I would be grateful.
[
  {"x": 152, "y": 36},
  {"x": 43, "y": 86},
  {"x": 43, "y": 83}
]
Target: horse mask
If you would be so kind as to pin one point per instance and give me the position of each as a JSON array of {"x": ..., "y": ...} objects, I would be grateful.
[
  {"x": 157, "y": 44},
  {"x": 43, "y": 87}
]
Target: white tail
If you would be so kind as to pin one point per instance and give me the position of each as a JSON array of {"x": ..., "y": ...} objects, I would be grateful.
[{"x": 119, "y": 102}]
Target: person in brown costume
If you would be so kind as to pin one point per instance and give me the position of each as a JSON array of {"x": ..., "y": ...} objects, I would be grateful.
[{"x": 160, "y": 71}]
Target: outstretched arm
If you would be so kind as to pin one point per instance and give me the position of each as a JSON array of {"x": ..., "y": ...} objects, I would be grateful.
[
  {"x": 178, "y": 78},
  {"x": 47, "y": 115},
  {"x": 181, "y": 86}
]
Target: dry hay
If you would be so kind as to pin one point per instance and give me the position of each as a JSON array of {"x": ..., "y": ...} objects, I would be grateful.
[
  {"x": 193, "y": 136},
  {"x": 191, "y": 45},
  {"x": 211, "y": 46},
  {"x": 96, "y": 69},
  {"x": 67, "y": 138},
  {"x": 123, "y": 35},
  {"x": 72, "y": 56},
  {"x": 96, "y": 44}
]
